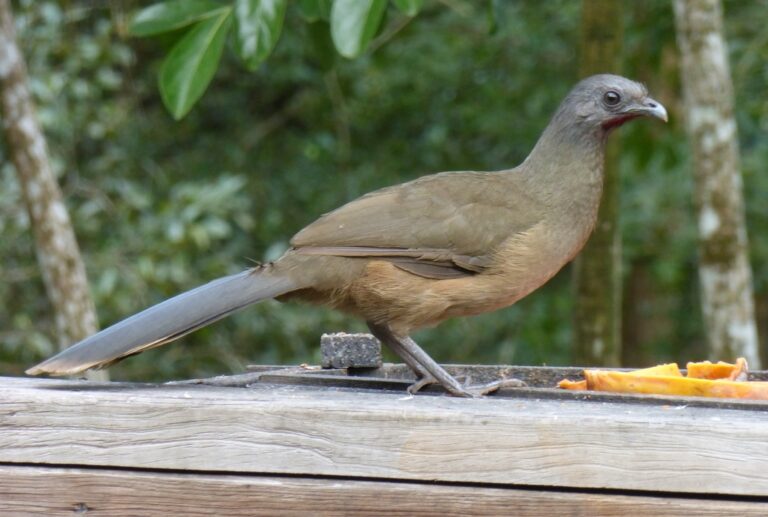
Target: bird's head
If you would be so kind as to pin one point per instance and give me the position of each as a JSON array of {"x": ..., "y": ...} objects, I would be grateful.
[{"x": 607, "y": 101}]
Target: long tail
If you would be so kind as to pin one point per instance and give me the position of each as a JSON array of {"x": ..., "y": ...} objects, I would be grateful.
[{"x": 167, "y": 321}]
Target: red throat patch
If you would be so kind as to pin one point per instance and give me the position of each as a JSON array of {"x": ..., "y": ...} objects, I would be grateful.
[{"x": 618, "y": 121}]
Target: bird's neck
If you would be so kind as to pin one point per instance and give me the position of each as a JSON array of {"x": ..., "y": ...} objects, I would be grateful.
[{"x": 565, "y": 168}]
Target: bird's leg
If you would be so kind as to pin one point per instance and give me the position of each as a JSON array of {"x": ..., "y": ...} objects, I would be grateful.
[
  {"x": 423, "y": 377},
  {"x": 464, "y": 390},
  {"x": 426, "y": 374},
  {"x": 428, "y": 370}
]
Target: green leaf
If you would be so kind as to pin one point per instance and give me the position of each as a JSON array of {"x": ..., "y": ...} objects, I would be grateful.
[
  {"x": 354, "y": 23},
  {"x": 257, "y": 28},
  {"x": 409, "y": 7},
  {"x": 169, "y": 16},
  {"x": 314, "y": 10},
  {"x": 192, "y": 63}
]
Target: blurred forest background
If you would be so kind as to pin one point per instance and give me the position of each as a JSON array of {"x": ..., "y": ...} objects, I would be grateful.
[{"x": 160, "y": 206}]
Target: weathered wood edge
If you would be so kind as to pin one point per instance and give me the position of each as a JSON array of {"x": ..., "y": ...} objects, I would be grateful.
[
  {"x": 335, "y": 432},
  {"x": 541, "y": 382},
  {"x": 52, "y": 491}
]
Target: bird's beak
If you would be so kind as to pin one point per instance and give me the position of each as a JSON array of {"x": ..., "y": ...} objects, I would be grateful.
[{"x": 651, "y": 108}]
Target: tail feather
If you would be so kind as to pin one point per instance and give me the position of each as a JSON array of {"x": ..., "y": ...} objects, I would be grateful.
[{"x": 166, "y": 321}]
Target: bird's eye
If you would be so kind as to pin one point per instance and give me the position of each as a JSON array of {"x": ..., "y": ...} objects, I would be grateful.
[{"x": 611, "y": 98}]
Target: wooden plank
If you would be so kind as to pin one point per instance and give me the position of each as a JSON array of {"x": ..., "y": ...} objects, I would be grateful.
[
  {"x": 334, "y": 432},
  {"x": 540, "y": 380},
  {"x": 60, "y": 491}
]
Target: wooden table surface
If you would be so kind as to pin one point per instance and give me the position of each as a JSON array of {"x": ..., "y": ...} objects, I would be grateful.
[{"x": 145, "y": 449}]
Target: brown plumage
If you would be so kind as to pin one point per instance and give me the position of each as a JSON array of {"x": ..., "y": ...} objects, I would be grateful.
[{"x": 412, "y": 255}]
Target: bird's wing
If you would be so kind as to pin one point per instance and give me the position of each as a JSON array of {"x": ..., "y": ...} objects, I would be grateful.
[{"x": 440, "y": 226}]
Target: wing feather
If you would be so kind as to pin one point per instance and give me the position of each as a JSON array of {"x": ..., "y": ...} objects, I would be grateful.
[{"x": 449, "y": 222}]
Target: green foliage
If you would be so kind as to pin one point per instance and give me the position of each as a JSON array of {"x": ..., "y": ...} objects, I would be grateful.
[
  {"x": 258, "y": 25},
  {"x": 409, "y": 7},
  {"x": 315, "y": 10},
  {"x": 173, "y": 15},
  {"x": 354, "y": 24},
  {"x": 192, "y": 62},
  {"x": 494, "y": 7},
  {"x": 162, "y": 206}
]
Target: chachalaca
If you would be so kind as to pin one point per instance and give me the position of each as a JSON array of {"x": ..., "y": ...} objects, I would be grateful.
[{"x": 412, "y": 255}]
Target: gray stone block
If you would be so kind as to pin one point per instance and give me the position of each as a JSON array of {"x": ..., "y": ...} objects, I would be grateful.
[{"x": 342, "y": 350}]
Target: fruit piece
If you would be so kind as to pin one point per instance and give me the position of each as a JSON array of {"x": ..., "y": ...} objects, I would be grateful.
[
  {"x": 568, "y": 384},
  {"x": 705, "y": 379},
  {"x": 719, "y": 370},
  {"x": 620, "y": 382}
]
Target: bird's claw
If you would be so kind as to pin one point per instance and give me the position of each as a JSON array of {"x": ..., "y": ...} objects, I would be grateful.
[
  {"x": 467, "y": 390},
  {"x": 421, "y": 384},
  {"x": 481, "y": 390}
]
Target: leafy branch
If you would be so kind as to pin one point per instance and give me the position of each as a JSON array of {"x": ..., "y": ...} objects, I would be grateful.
[{"x": 253, "y": 27}]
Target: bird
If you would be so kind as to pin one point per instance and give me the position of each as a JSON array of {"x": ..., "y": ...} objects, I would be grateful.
[{"x": 409, "y": 256}]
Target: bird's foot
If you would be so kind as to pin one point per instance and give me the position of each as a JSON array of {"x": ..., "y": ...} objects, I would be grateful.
[
  {"x": 427, "y": 379},
  {"x": 421, "y": 383},
  {"x": 480, "y": 390},
  {"x": 463, "y": 388}
]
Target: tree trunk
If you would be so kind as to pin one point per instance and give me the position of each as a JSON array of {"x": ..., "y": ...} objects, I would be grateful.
[
  {"x": 597, "y": 269},
  {"x": 57, "y": 252},
  {"x": 724, "y": 271}
]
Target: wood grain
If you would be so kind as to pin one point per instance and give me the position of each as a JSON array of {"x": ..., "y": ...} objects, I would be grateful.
[
  {"x": 310, "y": 432},
  {"x": 64, "y": 491}
]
